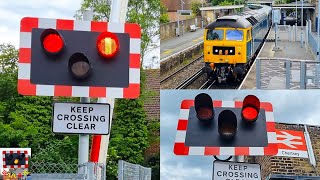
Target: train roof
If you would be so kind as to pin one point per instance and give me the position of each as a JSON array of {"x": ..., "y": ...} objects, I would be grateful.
[{"x": 243, "y": 20}]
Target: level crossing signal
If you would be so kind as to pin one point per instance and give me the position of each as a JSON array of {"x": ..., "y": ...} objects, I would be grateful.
[
  {"x": 15, "y": 159},
  {"x": 214, "y": 127},
  {"x": 59, "y": 57}
]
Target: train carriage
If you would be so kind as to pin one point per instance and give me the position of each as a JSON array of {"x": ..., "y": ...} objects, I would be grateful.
[{"x": 232, "y": 42}]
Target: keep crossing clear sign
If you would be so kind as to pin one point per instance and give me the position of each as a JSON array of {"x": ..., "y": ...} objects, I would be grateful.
[
  {"x": 236, "y": 171},
  {"x": 81, "y": 118}
]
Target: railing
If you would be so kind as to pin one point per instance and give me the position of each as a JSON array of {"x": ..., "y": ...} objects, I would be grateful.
[
  {"x": 285, "y": 73},
  {"x": 129, "y": 171},
  {"x": 66, "y": 171}
]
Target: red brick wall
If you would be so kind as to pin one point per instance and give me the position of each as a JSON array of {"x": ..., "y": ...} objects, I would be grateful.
[
  {"x": 287, "y": 165},
  {"x": 152, "y": 102}
]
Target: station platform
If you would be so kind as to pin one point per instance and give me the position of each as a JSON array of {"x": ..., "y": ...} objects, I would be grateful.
[
  {"x": 179, "y": 43},
  {"x": 273, "y": 62}
]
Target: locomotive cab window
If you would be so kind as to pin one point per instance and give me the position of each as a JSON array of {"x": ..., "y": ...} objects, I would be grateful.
[
  {"x": 234, "y": 35},
  {"x": 248, "y": 35},
  {"x": 214, "y": 34}
]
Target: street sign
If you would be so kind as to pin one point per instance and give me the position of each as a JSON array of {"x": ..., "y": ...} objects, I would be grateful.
[
  {"x": 230, "y": 170},
  {"x": 81, "y": 118},
  {"x": 185, "y": 12},
  {"x": 208, "y": 142},
  {"x": 59, "y": 57},
  {"x": 276, "y": 16},
  {"x": 291, "y": 143}
]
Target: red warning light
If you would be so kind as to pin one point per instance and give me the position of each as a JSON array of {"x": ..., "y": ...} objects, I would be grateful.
[
  {"x": 107, "y": 44},
  {"x": 52, "y": 41},
  {"x": 250, "y": 108}
]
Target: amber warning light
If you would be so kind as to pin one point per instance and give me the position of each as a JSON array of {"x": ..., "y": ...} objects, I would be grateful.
[{"x": 107, "y": 44}]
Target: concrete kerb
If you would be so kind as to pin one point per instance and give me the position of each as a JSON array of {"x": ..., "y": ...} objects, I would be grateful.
[{"x": 178, "y": 58}]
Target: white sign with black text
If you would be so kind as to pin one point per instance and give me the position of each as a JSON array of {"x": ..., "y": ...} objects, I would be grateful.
[
  {"x": 81, "y": 118},
  {"x": 235, "y": 171}
]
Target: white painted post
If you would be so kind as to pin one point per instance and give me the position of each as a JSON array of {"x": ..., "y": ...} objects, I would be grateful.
[
  {"x": 118, "y": 14},
  {"x": 301, "y": 23},
  {"x": 83, "y": 147},
  {"x": 312, "y": 159}
]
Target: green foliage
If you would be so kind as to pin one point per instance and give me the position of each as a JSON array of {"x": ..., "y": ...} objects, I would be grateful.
[
  {"x": 225, "y": 3},
  {"x": 144, "y": 12},
  {"x": 26, "y": 121},
  {"x": 195, "y": 7},
  {"x": 129, "y": 135},
  {"x": 8, "y": 58},
  {"x": 164, "y": 17}
]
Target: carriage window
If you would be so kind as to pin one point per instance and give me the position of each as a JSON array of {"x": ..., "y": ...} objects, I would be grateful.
[
  {"x": 215, "y": 35},
  {"x": 234, "y": 35}
]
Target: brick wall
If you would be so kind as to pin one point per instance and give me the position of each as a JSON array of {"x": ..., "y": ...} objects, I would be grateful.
[
  {"x": 152, "y": 103},
  {"x": 287, "y": 165}
]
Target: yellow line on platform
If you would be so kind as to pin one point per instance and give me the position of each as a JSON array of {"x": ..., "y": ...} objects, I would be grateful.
[{"x": 167, "y": 52}]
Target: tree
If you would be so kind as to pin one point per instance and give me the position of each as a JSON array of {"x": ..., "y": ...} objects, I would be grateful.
[
  {"x": 225, "y": 3},
  {"x": 144, "y": 12},
  {"x": 129, "y": 135},
  {"x": 164, "y": 17},
  {"x": 195, "y": 7},
  {"x": 26, "y": 121}
]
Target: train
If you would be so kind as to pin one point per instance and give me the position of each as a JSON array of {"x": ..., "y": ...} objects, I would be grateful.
[{"x": 232, "y": 42}]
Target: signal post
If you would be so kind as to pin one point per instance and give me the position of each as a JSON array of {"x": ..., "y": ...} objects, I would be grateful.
[{"x": 71, "y": 58}]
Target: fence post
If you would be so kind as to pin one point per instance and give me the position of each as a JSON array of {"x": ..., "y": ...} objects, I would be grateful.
[
  {"x": 288, "y": 73},
  {"x": 294, "y": 32},
  {"x": 120, "y": 169},
  {"x": 258, "y": 71},
  {"x": 302, "y": 75},
  {"x": 307, "y": 37}
]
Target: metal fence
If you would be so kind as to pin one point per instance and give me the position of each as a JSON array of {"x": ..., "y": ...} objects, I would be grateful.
[
  {"x": 128, "y": 171},
  {"x": 284, "y": 73},
  {"x": 285, "y": 33},
  {"x": 312, "y": 39},
  {"x": 67, "y": 171}
]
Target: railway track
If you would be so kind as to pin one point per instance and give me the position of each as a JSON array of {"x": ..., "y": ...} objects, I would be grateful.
[
  {"x": 182, "y": 68},
  {"x": 207, "y": 85},
  {"x": 190, "y": 80}
]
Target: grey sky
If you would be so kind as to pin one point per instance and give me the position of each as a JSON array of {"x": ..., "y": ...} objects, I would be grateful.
[
  {"x": 290, "y": 106},
  {"x": 12, "y": 11}
]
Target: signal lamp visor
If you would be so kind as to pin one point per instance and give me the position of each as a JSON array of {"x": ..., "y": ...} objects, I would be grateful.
[
  {"x": 251, "y": 108},
  {"x": 227, "y": 124},
  {"x": 79, "y": 66},
  {"x": 52, "y": 42},
  {"x": 204, "y": 106},
  {"x": 107, "y": 44}
]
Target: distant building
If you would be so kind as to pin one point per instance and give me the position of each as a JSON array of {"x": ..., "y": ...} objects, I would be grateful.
[{"x": 175, "y": 5}]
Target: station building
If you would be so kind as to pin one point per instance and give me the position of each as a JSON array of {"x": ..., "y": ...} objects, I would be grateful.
[{"x": 288, "y": 168}]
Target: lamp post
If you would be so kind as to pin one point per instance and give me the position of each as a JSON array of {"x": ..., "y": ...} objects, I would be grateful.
[
  {"x": 301, "y": 23},
  {"x": 182, "y": 3},
  {"x": 318, "y": 31},
  {"x": 202, "y": 14}
]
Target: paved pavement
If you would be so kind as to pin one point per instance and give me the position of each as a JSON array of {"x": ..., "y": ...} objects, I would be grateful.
[
  {"x": 176, "y": 44},
  {"x": 273, "y": 72}
]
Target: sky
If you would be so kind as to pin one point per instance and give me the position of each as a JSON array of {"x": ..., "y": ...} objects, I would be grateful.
[
  {"x": 12, "y": 11},
  {"x": 290, "y": 106}
]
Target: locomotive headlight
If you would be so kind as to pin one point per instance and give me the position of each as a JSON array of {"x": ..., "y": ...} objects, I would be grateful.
[{"x": 231, "y": 51}]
